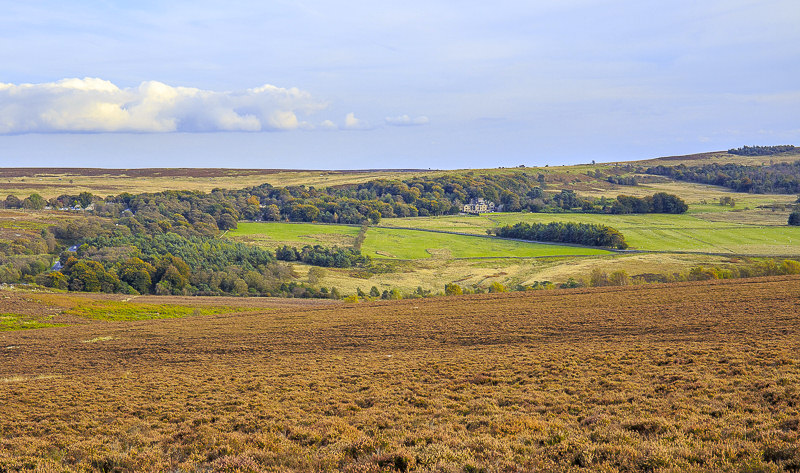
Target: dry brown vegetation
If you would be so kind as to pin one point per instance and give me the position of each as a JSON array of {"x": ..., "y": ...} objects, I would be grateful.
[
  {"x": 719, "y": 157},
  {"x": 680, "y": 377},
  {"x": 52, "y": 182}
]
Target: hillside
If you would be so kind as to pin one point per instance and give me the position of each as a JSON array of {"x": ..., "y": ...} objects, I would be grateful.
[
  {"x": 52, "y": 182},
  {"x": 397, "y": 233}
]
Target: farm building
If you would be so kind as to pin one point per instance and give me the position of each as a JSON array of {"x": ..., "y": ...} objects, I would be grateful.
[{"x": 476, "y": 206}]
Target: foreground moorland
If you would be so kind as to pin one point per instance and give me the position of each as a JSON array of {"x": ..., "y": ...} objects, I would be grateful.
[{"x": 699, "y": 376}]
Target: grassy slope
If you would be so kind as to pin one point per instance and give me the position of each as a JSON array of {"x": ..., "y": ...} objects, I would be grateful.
[
  {"x": 400, "y": 243},
  {"x": 652, "y": 232},
  {"x": 274, "y": 234}
]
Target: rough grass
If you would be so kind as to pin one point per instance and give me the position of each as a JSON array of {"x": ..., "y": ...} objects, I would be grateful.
[
  {"x": 22, "y": 182},
  {"x": 685, "y": 377},
  {"x": 433, "y": 274},
  {"x": 10, "y": 322},
  {"x": 40, "y": 310},
  {"x": 118, "y": 310}
]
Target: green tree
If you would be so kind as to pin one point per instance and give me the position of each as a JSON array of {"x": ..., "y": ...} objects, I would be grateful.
[
  {"x": 272, "y": 212},
  {"x": 227, "y": 222},
  {"x": 56, "y": 279},
  {"x": 374, "y": 217},
  {"x": 85, "y": 199},
  {"x": 794, "y": 218},
  {"x": 13, "y": 202},
  {"x": 173, "y": 271},
  {"x": 138, "y": 274},
  {"x": 34, "y": 202}
]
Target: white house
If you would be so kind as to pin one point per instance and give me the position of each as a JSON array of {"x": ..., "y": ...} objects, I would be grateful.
[{"x": 477, "y": 206}]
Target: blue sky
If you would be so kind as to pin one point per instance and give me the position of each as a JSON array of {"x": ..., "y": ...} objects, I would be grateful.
[{"x": 411, "y": 84}]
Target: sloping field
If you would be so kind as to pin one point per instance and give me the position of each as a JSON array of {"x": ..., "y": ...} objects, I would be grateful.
[
  {"x": 415, "y": 244},
  {"x": 275, "y": 234},
  {"x": 651, "y": 232},
  {"x": 685, "y": 377},
  {"x": 398, "y": 243}
]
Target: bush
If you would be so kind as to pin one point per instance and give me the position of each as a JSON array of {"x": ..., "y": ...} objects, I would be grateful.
[
  {"x": 452, "y": 289},
  {"x": 497, "y": 287},
  {"x": 619, "y": 278}
]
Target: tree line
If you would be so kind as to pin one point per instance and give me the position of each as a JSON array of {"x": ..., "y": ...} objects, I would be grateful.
[
  {"x": 325, "y": 257},
  {"x": 777, "y": 178},
  {"x": 190, "y": 213},
  {"x": 762, "y": 150}
]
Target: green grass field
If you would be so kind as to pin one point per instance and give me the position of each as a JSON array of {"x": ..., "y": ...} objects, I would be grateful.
[
  {"x": 275, "y": 234},
  {"x": 415, "y": 244},
  {"x": 399, "y": 243},
  {"x": 651, "y": 232}
]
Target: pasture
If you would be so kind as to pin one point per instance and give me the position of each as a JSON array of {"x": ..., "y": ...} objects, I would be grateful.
[
  {"x": 394, "y": 243},
  {"x": 275, "y": 234},
  {"x": 690, "y": 232},
  {"x": 697, "y": 376}
]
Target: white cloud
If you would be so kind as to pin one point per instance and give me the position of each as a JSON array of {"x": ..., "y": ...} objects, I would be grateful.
[
  {"x": 96, "y": 105},
  {"x": 405, "y": 120},
  {"x": 328, "y": 125},
  {"x": 353, "y": 123}
]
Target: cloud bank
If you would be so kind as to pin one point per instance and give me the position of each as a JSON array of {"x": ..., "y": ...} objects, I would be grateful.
[{"x": 96, "y": 105}]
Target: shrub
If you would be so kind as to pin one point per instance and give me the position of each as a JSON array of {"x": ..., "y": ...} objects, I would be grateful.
[
  {"x": 497, "y": 287},
  {"x": 452, "y": 289},
  {"x": 619, "y": 278}
]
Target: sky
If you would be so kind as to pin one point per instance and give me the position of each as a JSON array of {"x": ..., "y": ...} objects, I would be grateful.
[{"x": 392, "y": 84}]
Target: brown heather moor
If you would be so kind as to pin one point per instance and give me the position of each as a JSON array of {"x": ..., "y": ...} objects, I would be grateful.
[{"x": 679, "y": 377}]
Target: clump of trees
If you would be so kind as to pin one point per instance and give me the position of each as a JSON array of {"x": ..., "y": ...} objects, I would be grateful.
[
  {"x": 762, "y": 150},
  {"x": 794, "y": 218},
  {"x": 623, "y": 180},
  {"x": 564, "y": 232},
  {"x": 318, "y": 255},
  {"x": 660, "y": 202}
]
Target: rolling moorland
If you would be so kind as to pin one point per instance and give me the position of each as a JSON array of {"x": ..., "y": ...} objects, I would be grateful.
[
  {"x": 699, "y": 376},
  {"x": 677, "y": 353}
]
